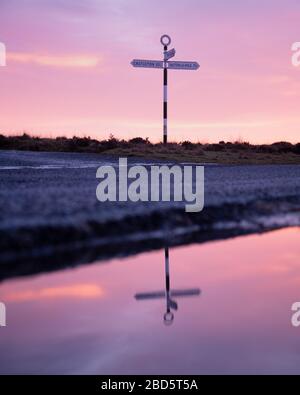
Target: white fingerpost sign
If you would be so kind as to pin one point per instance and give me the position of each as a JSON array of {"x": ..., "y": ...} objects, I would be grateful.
[
  {"x": 165, "y": 65},
  {"x": 156, "y": 64},
  {"x": 183, "y": 65},
  {"x": 169, "y": 54}
]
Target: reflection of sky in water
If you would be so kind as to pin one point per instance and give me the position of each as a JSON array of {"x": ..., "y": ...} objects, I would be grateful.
[
  {"x": 73, "y": 291},
  {"x": 86, "y": 320}
]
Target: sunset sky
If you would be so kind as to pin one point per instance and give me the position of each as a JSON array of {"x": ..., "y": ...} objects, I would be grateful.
[{"x": 68, "y": 69}]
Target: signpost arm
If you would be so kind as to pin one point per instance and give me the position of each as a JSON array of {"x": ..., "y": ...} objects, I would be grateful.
[{"x": 165, "y": 104}]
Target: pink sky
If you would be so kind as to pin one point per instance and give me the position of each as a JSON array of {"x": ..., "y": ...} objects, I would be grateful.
[{"x": 68, "y": 69}]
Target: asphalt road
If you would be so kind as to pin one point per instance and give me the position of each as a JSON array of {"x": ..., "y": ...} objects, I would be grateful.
[{"x": 48, "y": 200}]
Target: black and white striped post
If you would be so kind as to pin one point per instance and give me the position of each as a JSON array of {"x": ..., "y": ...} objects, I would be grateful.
[
  {"x": 165, "y": 103},
  {"x": 165, "y": 41}
]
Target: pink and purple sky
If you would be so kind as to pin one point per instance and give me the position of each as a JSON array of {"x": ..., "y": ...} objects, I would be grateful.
[{"x": 68, "y": 69}]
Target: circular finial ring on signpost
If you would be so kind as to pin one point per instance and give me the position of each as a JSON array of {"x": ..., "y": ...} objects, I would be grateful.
[
  {"x": 168, "y": 318},
  {"x": 165, "y": 40}
]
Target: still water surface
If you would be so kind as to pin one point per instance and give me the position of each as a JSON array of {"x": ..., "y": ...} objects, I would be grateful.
[{"x": 230, "y": 312}]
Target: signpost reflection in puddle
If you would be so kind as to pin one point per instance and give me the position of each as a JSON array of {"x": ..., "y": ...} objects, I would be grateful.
[{"x": 168, "y": 293}]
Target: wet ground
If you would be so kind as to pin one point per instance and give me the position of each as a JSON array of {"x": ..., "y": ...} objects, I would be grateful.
[{"x": 230, "y": 304}]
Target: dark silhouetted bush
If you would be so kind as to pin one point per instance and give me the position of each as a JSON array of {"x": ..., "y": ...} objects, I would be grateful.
[
  {"x": 282, "y": 146},
  {"x": 187, "y": 145},
  {"x": 139, "y": 140},
  {"x": 297, "y": 148},
  {"x": 215, "y": 147}
]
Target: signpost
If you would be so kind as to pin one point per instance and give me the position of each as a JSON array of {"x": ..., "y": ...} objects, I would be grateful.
[
  {"x": 166, "y": 65},
  {"x": 168, "y": 294}
]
